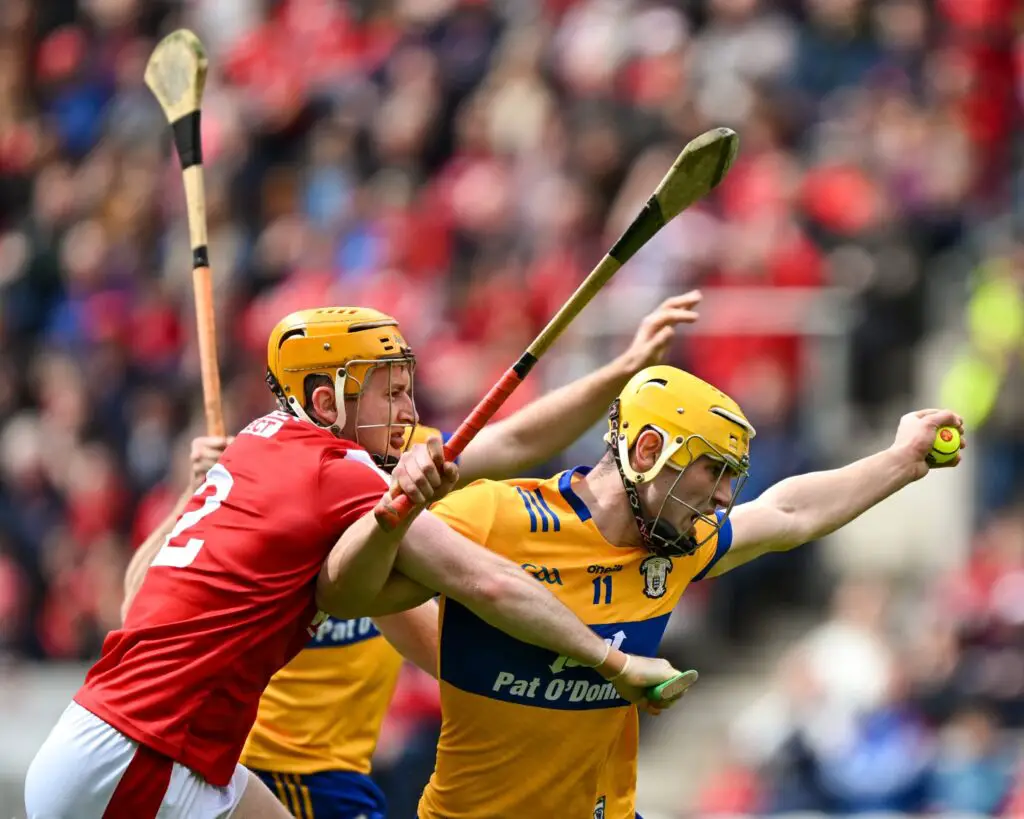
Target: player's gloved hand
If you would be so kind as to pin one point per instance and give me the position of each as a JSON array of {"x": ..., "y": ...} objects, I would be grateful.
[
  {"x": 916, "y": 435},
  {"x": 204, "y": 453},
  {"x": 423, "y": 475},
  {"x": 657, "y": 330}
]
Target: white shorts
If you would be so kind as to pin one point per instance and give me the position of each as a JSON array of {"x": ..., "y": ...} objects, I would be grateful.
[{"x": 87, "y": 769}]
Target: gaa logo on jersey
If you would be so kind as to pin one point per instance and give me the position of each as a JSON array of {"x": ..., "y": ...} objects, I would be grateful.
[
  {"x": 599, "y": 807},
  {"x": 543, "y": 573},
  {"x": 655, "y": 570}
]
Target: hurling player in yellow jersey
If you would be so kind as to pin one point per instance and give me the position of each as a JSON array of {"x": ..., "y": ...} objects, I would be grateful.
[{"x": 527, "y": 733}]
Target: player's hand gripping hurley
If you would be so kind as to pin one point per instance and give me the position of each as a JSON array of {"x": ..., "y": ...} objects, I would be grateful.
[
  {"x": 698, "y": 169},
  {"x": 176, "y": 74}
]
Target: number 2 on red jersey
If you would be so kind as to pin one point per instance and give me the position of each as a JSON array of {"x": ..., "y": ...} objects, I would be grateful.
[{"x": 180, "y": 556}]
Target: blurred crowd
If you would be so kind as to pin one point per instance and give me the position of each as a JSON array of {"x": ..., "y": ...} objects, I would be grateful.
[
  {"x": 900, "y": 702},
  {"x": 462, "y": 164}
]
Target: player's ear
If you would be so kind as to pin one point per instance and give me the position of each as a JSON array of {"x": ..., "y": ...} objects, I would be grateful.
[
  {"x": 325, "y": 404},
  {"x": 646, "y": 450}
]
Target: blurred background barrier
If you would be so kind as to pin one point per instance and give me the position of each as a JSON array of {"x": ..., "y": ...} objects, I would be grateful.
[{"x": 462, "y": 164}]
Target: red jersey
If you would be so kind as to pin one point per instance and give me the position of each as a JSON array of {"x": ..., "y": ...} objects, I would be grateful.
[{"x": 230, "y": 598}]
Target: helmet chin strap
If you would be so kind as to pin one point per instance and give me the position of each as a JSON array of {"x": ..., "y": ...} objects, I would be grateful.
[{"x": 657, "y": 535}]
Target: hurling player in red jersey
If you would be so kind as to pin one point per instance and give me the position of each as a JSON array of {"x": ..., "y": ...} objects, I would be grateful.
[{"x": 231, "y": 596}]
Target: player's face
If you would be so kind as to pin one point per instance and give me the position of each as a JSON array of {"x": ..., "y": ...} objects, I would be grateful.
[
  {"x": 384, "y": 411},
  {"x": 703, "y": 488}
]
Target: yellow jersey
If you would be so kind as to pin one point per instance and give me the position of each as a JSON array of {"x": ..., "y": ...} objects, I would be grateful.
[
  {"x": 617, "y": 788},
  {"x": 525, "y": 732},
  {"x": 323, "y": 711}
]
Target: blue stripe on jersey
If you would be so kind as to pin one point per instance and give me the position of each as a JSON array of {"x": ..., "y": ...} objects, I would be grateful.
[
  {"x": 540, "y": 512},
  {"x": 543, "y": 503},
  {"x": 529, "y": 508},
  {"x": 574, "y": 500},
  {"x": 332, "y": 633},
  {"x": 332, "y": 794},
  {"x": 480, "y": 659},
  {"x": 724, "y": 542}
]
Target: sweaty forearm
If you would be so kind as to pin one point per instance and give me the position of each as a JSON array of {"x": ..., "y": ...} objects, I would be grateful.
[
  {"x": 523, "y": 608},
  {"x": 496, "y": 590},
  {"x": 400, "y": 594},
  {"x": 818, "y": 503},
  {"x": 143, "y": 557},
  {"x": 358, "y": 568}
]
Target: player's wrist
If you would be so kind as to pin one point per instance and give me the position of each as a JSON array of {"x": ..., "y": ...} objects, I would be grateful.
[
  {"x": 622, "y": 671},
  {"x": 604, "y": 656},
  {"x": 387, "y": 517},
  {"x": 619, "y": 370},
  {"x": 613, "y": 665},
  {"x": 900, "y": 465}
]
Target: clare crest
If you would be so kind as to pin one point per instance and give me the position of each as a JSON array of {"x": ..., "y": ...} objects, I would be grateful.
[{"x": 655, "y": 570}]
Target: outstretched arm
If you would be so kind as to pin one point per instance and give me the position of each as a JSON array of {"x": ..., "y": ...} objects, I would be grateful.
[
  {"x": 808, "y": 507},
  {"x": 203, "y": 454},
  {"x": 555, "y": 420}
]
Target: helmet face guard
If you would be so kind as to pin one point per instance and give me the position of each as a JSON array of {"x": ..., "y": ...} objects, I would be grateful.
[
  {"x": 384, "y": 460},
  {"x": 350, "y": 384},
  {"x": 657, "y": 534}
]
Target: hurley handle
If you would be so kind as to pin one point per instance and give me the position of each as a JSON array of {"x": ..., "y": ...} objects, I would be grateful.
[{"x": 392, "y": 513}]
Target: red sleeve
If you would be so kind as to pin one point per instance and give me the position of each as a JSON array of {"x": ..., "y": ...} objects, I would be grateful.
[{"x": 350, "y": 486}]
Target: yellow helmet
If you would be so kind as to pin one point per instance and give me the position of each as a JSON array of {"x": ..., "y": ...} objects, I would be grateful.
[
  {"x": 343, "y": 343},
  {"x": 693, "y": 418}
]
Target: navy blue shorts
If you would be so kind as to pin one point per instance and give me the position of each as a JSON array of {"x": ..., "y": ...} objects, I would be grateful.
[{"x": 327, "y": 795}]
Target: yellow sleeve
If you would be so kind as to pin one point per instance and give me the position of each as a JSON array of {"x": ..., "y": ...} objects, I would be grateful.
[
  {"x": 716, "y": 547},
  {"x": 421, "y": 433},
  {"x": 470, "y": 511}
]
